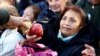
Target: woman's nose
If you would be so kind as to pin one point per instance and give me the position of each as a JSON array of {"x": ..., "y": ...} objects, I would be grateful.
[{"x": 67, "y": 23}]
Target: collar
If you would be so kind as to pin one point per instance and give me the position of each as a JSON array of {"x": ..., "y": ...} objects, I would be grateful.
[{"x": 65, "y": 39}]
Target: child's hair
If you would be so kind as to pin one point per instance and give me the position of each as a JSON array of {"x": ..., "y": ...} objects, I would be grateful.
[
  {"x": 36, "y": 10},
  {"x": 10, "y": 8}
]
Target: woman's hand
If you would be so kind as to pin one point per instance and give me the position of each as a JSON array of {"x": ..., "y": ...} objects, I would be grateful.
[
  {"x": 30, "y": 40},
  {"x": 33, "y": 38},
  {"x": 89, "y": 51}
]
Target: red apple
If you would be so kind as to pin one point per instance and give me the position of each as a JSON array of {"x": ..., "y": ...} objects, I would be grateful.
[{"x": 36, "y": 29}]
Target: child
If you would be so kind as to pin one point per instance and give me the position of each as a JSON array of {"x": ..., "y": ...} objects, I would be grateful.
[
  {"x": 10, "y": 36},
  {"x": 30, "y": 13}
]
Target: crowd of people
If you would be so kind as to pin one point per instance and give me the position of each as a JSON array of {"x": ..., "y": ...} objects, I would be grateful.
[{"x": 71, "y": 27}]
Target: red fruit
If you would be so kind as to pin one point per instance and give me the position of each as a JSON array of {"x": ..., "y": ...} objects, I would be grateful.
[{"x": 36, "y": 29}]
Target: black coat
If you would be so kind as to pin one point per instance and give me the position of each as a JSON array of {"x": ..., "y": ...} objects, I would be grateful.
[
  {"x": 93, "y": 13},
  {"x": 71, "y": 48}
]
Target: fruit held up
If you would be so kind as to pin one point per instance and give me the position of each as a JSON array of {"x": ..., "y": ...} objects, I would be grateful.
[{"x": 36, "y": 29}]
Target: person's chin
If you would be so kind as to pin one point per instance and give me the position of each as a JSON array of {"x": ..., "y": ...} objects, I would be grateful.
[{"x": 55, "y": 10}]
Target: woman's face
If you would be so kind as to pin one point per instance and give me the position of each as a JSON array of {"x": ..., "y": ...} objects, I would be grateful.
[
  {"x": 70, "y": 23},
  {"x": 57, "y": 5}
]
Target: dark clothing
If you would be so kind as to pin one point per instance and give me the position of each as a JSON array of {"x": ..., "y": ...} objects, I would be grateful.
[
  {"x": 93, "y": 13},
  {"x": 36, "y": 1},
  {"x": 43, "y": 5},
  {"x": 51, "y": 28},
  {"x": 49, "y": 17},
  {"x": 71, "y": 48},
  {"x": 93, "y": 10},
  {"x": 22, "y": 5}
]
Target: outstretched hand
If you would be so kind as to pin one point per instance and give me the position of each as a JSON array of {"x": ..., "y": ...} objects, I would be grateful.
[
  {"x": 89, "y": 51},
  {"x": 30, "y": 40}
]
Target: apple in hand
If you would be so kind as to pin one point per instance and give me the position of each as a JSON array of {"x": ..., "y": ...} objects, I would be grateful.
[{"x": 36, "y": 29}]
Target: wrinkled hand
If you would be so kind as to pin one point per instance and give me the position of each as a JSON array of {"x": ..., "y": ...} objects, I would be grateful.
[
  {"x": 89, "y": 51},
  {"x": 33, "y": 38}
]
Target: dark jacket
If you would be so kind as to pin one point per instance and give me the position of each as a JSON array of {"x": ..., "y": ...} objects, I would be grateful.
[
  {"x": 49, "y": 17},
  {"x": 71, "y": 48},
  {"x": 93, "y": 12},
  {"x": 22, "y": 5},
  {"x": 43, "y": 5}
]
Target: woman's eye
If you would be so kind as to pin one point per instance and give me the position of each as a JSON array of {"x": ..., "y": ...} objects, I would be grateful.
[
  {"x": 72, "y": 20},
  {"x": 64, "y": 18}
]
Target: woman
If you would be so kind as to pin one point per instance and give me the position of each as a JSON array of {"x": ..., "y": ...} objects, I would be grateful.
[{"x": 70, "y": 35}]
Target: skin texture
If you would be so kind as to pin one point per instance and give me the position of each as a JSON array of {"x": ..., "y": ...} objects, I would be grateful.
[
  {"x": 89, "y": 51},
  {"x": 28, "y": 13},
  {"x": 8, "y": 1},
  {"x": 57, "y": 5},
  {"x": 70, "y": 23}
]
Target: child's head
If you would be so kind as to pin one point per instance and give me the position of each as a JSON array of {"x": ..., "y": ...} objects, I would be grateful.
[
  {"x": 12, "y": 11},
  {"x": 57, "y": 5},
  {"x": 31, "y": 12},
  {"x": 72, "y": 20}
]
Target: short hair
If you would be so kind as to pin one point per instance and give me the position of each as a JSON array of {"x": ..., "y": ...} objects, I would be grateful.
[{"x": 77, "y": 10}]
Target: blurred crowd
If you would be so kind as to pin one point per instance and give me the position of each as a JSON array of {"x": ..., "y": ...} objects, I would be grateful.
[{"x": 70, "y": 27}]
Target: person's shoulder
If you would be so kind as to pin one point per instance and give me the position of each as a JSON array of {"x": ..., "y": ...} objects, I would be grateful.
[
  {"x": 42, "y": 5},
  {"x": 72, "y": 50},
  {"x": 81, "y": 3}
]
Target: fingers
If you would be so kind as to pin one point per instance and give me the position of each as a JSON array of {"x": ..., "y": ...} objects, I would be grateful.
[
  {"x": 41, "y": 45},
  {"x": 88, "y": 51},
  {"x": 88, "y": 47},
  {"x": 33, "y": 38},
  {"x": 84, "y": 52},
  {"x": 37, "y": 39}
]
